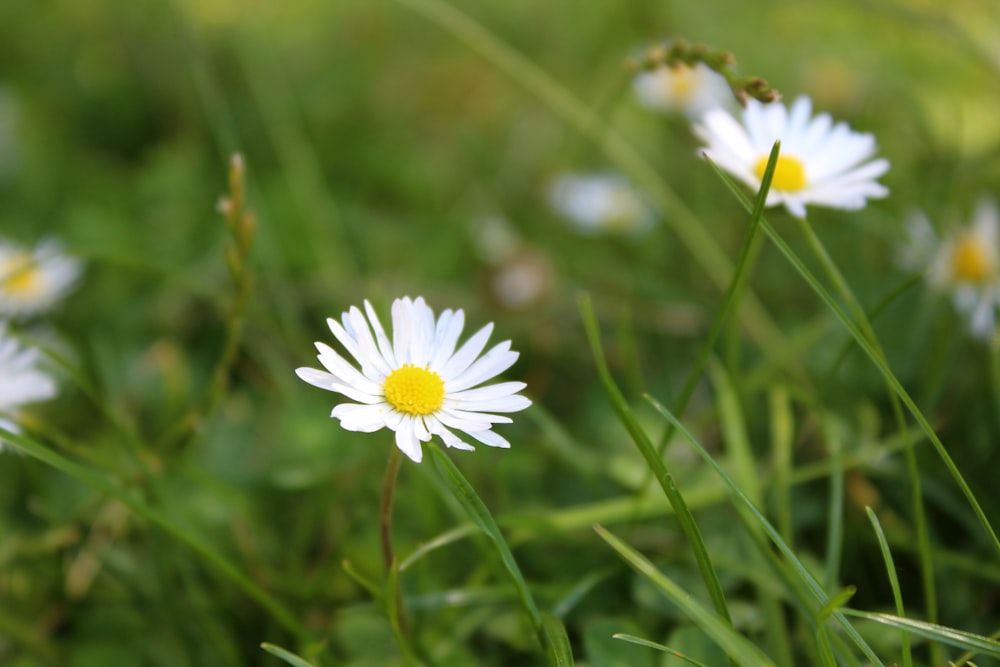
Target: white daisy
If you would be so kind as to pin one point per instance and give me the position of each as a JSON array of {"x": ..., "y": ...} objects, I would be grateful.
[
  {"x": 32, "y": 280},
  {"x": 691, "y": 90},
  {"x": 21, "y": 381},
  {"x": 966, "y": 263},
  {"x": 599, "y": 202},
  {"x": 821, "y": 163},
  {"x": 417, "y": 384}
]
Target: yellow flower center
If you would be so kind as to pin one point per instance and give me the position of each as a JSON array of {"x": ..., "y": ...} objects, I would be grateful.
[
  {"x": 415, "y": 391},
  {"x": 970, "y": 262},
  {"x": 789, "y": 173},
  {"x": 679, "y": 81},
  {"x": 20, "y": 275}
]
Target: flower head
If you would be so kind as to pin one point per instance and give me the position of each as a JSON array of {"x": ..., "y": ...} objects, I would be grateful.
[
  {"x": 32, "y": 280},
  {"x": 417, "y": 384},
  {"x": 966, "y": 262},
  {"x": 821, "y": 163},
  {"x": 21, "y": 381},
  {"x": 599, "y": 202},
  {"x": 691, "y": 90}
]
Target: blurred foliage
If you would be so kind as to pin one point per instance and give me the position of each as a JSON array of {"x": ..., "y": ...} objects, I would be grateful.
[{"x": 375, "y": 144}]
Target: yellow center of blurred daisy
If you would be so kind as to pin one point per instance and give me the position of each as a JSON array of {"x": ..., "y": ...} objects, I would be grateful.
[
  {"x": 20, "y": 275},
  {"x": 679, "y": 81},
  {"x": 969, "y": 261},
  {"x": 415, "y": 391},
  {"x": 789, "y": 173}
]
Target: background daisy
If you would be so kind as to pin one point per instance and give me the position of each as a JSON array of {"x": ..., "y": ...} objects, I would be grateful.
[
  {"x": 21, "y": 381},
  {"x": 966, "y": 262},
  {"x": 596, "y": 203},
  {"x": 821, "y": 163},
  {"x": 689, "y": 90},
  {"x": 419, "y": 384},
  {"x": 32, "y": 280}
]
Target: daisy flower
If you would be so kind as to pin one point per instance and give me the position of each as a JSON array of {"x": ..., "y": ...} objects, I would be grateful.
[
  {"x": 417, "y": 383},
  {"x": 821, "y": 163},
  {"x": 22, "y": 382},
  {"x": 966, "y": 263},
  {"x": 691, "y": 90},
  {"x": 32, "y": 280},
  {"x": 597, "y": 203}
]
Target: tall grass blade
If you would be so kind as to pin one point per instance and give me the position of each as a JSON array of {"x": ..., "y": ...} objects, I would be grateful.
[{"x": 736, "y": 646}]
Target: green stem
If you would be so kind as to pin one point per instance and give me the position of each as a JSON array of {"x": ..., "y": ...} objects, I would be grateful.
[{"x": 385, "y": 535}]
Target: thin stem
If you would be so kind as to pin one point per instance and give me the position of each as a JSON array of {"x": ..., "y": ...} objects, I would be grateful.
[{"x": 385, "y": 535}]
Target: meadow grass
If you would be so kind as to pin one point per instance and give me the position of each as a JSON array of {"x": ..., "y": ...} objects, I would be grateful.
[{"x": 753, "y": 440}]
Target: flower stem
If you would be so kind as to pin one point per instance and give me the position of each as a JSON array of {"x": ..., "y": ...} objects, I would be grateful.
[{"x": 385, "y": 529}]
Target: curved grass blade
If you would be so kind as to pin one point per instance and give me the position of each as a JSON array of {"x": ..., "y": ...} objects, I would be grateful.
[
  {"x": 804, "y": 575},
  {"x": 736, "y": 646},
  {"x": 964, "y": 640},
  {"x": 655, "y": 463},
  {"x": 478, "y": 512},
  {"x": 287, "y": 656},
  {"x": 556, "y": 642},
  {"x": 890, "y": 568},
  {"x": 154, "y": 516},
  {"x": 632, "y": 639}
]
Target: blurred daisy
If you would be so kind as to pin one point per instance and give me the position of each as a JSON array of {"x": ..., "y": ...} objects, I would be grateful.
[
  {"x": 417, "y": 384},
  {"x": 690, "y": 90},
  {"x": 821, "y": 163},
  {"x": 21, "y": 381},
  {"x": 31, "y": 281},
  {"x": 966, "y": 263},
  {"x": 597, "y": 203}
]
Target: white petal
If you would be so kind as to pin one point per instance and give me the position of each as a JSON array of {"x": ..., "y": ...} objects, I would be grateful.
[
  {"x": 360, "y": 418},
  {"x": 449, "y": 438},
  {"x": 370, "y": 359},
  {"x": 449, "y": 329},
  {"x": 493, "y": 363},
  {"x": 489, "y": 392},
  {"x": 514, "y": 403},
  {"x": 345, "y": 372},
  {"x": 345, "y": 338},
  {"x": 491, "y": 438},
  {"x": 466, "y": 354},
  {"x": 407, "y": 441},
  {"x": 384, "y": 346}
]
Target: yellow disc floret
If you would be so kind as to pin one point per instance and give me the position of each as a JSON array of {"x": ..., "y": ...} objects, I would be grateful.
[
  {"x": 415, "y": 391},
  {"x": 970, "y": 261},
  {"x": 20, "y": 275},
  {"x": 789, "y": 173}
]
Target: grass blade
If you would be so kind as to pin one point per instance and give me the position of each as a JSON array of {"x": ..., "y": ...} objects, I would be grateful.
[
  {"x": 632, "y": 639},
  {"x": 556, "y": 642},
  {"x": 890, "y": 568},
  {"x": 97, "y": 481},
  {"x": 287, "y": 656},
  {"x": 737, "y": 647},
  {"x": 804, "y": 575},
  {"x": 958, "y": 638},
  {"x": 655, "y": 463}
]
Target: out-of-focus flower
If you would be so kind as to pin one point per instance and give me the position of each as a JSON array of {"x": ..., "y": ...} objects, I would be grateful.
[
  {"x": 690, "y": 90},
  {"x": 21, "y": 381},
  {"x": 821, "y": 163},
  {"x": 32, "y": 280},
  {"x": 417, "y": 384},
  {"x": 523, "y": 280},
  {"x": 597, "y": 203},
  {"x": 966, "y": 263}
]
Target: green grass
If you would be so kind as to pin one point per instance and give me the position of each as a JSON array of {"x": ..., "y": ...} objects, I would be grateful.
[{"x": 753, "y": 441}]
